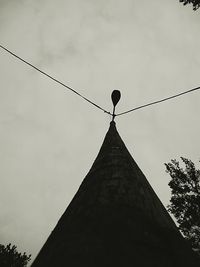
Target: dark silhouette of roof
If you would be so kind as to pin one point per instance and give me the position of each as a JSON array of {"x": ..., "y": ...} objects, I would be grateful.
[{"x": 115, "y": 219}]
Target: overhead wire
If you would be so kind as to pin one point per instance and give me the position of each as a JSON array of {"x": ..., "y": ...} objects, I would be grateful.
[
  {"x": 159, "y": 101},
  {"x": 88, "y": 100},
  {"x": 54, "y": 79}
]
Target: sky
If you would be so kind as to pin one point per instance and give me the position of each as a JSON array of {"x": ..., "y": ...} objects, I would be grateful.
[{"x": 49, "y": 137}]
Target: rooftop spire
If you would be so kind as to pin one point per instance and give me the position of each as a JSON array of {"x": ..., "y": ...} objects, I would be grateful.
[{"x": 115, "y": 219}]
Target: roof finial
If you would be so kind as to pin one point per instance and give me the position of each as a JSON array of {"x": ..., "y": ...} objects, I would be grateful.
[{"x": 116, "y": 95}]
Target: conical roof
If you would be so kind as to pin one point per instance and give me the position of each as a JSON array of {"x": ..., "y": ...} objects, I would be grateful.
[{"x": 115, "y": 219}]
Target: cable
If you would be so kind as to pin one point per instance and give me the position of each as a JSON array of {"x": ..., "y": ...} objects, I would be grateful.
[
  {"x": 159, "y": 101},
  {"x": 55, "y": 80},
  {"x": 86, "y": 99}
]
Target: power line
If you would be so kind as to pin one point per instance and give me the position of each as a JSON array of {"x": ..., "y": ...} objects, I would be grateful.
[
  {"x": 159, "y": 101},
  {"x": 89, "y": 101},
  {"x": 54, "y": 79}
]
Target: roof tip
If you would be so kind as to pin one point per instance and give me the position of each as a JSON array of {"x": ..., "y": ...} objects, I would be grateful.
[
  {"x": 112, "y": 126},
  {"x": 112, "y": 123}
]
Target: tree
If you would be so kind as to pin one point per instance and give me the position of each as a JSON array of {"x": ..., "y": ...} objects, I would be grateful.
[
  {"x": 195, "y": 3},
  {"x": 10, "y": 257},
  {"x": 185, "y": 199}
]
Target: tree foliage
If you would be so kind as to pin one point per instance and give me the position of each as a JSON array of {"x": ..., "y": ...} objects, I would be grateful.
[
  {"x": 10, "y": 257},
  {"x": 185, "y": 199},
  {"x": 195, "y": 3}
]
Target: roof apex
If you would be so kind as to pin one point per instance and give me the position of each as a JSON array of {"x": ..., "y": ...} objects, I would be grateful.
[{"x": 115, "y": 219}]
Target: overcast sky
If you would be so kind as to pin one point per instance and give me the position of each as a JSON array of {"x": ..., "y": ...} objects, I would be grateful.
[{"x": 49, "y": 137}]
